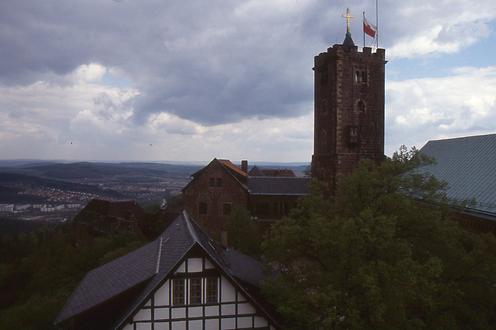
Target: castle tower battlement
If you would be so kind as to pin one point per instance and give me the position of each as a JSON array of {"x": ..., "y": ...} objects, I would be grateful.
[{"x": 348, "y": 110}]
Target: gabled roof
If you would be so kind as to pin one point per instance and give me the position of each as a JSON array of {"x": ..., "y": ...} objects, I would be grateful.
[
  {"x": 160, "y": 258},
  {"x": 233, "y": 170},
  {"x": 265, "y": 185},
  {"x": 231, "y": 167},
  {"x": 111, "y": 279},
  {"x": 468, "y": 165}
]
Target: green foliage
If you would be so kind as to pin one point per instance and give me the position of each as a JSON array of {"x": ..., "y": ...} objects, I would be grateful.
[
  {"x": 242, "y": 232},
  {"x": 42, "y": 268},
  {"x": 383, "y": 254}
]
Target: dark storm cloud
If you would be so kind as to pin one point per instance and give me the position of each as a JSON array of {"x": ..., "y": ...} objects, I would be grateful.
[{"x": 207, "y": 61}]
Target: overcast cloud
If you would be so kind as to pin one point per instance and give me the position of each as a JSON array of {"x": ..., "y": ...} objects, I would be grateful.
[{"x": 190, "y": 80}]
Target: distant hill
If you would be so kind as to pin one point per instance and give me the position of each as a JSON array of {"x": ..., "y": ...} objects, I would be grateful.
[
  {"x": 8, "y": 194},
  {"x": 87, "y": 170}
]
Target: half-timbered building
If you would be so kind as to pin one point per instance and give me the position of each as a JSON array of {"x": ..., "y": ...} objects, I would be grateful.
[{"x": 182, "y": 280}]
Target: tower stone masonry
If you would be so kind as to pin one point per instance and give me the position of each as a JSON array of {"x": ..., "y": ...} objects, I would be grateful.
[{"x": 349, "y": 110}]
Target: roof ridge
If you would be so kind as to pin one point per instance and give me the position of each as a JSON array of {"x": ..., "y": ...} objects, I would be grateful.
[
  {"x": 159, "y": 256},
  {"x": 190, "y": 227},
  {"x": 462, "y": 137}
]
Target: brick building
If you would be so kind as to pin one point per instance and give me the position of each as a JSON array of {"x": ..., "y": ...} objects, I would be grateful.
[
  {"x": 221, "y": 185},
  {"x": 348, "y": 110}
]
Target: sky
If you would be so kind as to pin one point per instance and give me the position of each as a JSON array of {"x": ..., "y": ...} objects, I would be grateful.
[{"x": 156, "y": 80}]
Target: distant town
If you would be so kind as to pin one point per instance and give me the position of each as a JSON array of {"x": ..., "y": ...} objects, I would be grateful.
[{"x": 56, "y": 192}]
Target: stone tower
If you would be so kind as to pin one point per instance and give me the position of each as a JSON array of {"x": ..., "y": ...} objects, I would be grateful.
[{"x": 349, "y": 110}]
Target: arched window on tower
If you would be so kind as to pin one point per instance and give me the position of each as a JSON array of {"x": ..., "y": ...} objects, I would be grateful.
[
  {"x": 358, "y": 78},
  {"x": 360, "y": 106}
]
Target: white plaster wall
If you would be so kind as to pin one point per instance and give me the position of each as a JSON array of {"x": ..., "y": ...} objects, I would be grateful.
[
  {"x": 208, "y": 265},
  {"x": 228, "y": 309},
  {"x": 162, "y": 326},
  {"x": 181, "y": 268},
  {"x": 181, "y": 325},
  {"x": 178, "y": 313},
  {"x": 260, "y": 322},
  {"x": 229, "y": 323},
  {"x": 195, "y": 325},
  {"x": 161, "y": 313},
  {"x": 195, "y": 265},
  {"x": 211, "y": 310},
  {"x": 143, "y": 315},
  {"x": 128, "y": 327},
  {"x": 227, "y": 290},
  {"x": 143, "y": 326},
  {"x": 162, "y": 295},
  {"x": 246, "y": 308},
  {"x": 244, "y": 322},
  {"x": 195, "y": 311},
  {"x": 211, "y": 324}
]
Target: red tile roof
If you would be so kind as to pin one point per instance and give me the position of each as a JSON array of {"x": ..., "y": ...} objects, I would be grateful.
[{"x": 230, "y": 166}]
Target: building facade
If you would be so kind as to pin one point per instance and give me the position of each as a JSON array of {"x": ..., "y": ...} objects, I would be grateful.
[
  {"x": 219, "y": 187},
  {"x": 181, "y": 281},
  {"x": 348, "y": 110}
]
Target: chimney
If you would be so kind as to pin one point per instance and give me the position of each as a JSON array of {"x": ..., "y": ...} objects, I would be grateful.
[{"x": 244, "y": 166}]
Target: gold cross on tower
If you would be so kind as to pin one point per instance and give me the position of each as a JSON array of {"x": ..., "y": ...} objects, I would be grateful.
[{"x": 348, "y": 18}]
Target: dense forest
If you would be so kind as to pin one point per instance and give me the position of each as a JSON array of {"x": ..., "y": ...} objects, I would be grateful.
[{"x": 41, "y": 264}]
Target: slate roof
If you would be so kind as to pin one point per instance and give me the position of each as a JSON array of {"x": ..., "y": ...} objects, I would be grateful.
[
  {"x": 262, "y": 185},
  {"x": 257, "y": 171},
  {"x": 111, "y": 279},
  {"x": 153, "y": 263},
  {"x": 468, "y": 165}
]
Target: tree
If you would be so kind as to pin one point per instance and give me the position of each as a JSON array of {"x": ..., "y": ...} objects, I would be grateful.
[
  {"x": 382, "y": 254},
  {"x": 242, "y": 233}
]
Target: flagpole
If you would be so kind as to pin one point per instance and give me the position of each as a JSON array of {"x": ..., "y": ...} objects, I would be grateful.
[
  {"x": 363, "y": 30},
  {"x": 377, "y": 22}
]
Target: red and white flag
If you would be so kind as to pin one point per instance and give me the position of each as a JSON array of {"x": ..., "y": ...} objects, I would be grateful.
[{"x": 368, "y": 28}]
